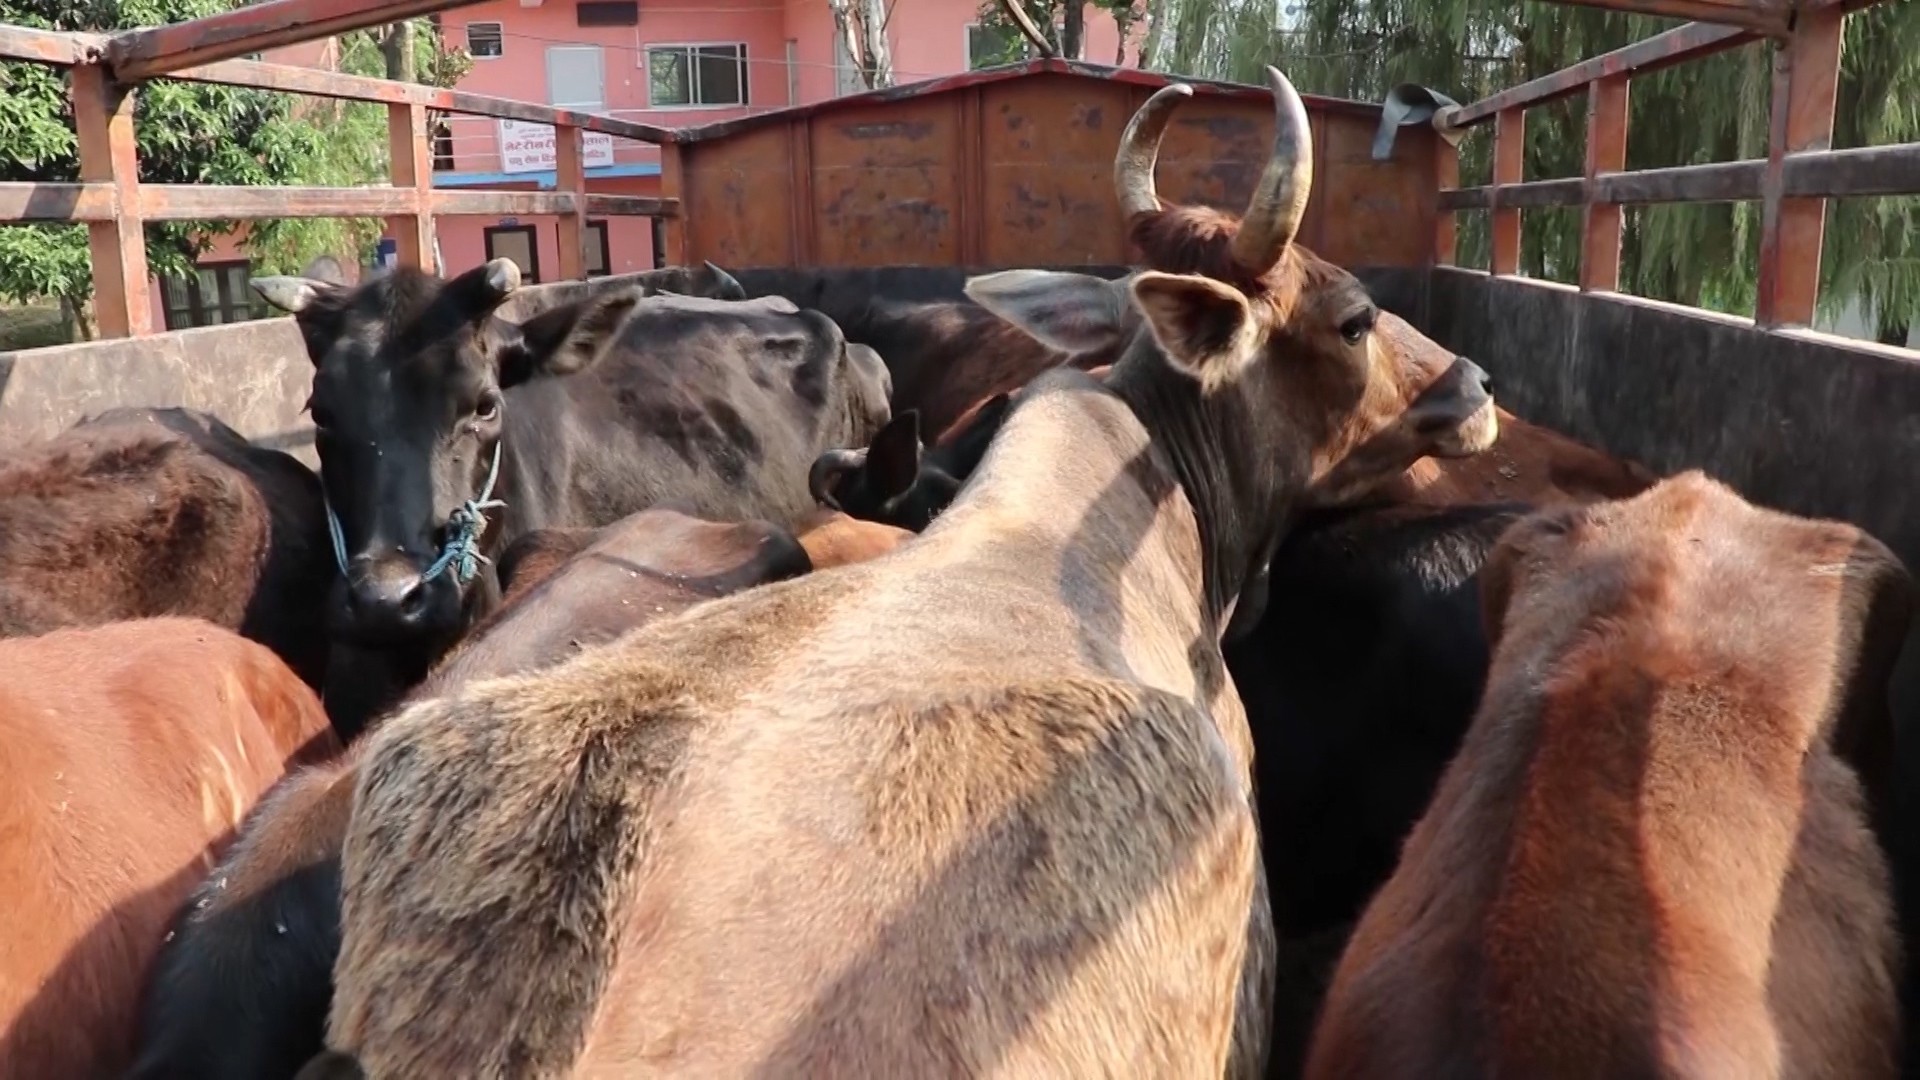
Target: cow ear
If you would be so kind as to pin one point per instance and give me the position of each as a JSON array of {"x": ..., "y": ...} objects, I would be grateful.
[
  {"x": 568, "y": 338},
  {"x": 1070, "y": 313},
  {"x": 1205, "y": 327},
  {"x": 893, "y": 461},
  {"x": 291, "y": 294}
]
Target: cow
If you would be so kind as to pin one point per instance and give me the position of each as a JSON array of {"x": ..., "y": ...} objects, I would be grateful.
[
  {"x": 832, "y": 539},
  {"x": 1359, "y": 684},
  {"x": 241, "y": 990},
  {"x": 132, "y": 751},
  {"x": 140, "y": 513},
  {"x": 948, "y": 356},
  {"x": 1017, "y": 838},
  {"x": 1649, "y": 857},
  {"x": 445, "y": 432}
]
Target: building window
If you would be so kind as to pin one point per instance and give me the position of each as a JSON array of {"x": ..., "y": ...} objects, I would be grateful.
[
  {"x": 521, "y": 243},
  {"x": 576, "y": 77},
  {"x": 592, "y": 13},
  {"x": 683, "y": 76},
  {"x": 996, "y": 44},
  {"x": 599, "y": 253},
  {"x": 484, "y": 40},
  {"x": 214, "y": 294}
]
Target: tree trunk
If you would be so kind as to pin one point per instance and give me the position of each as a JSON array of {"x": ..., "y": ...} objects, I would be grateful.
[
  {"x": 876, "y": 58},
  {"x": 862, "y": 24},
  {"x": 75, "y": 318},
  {"x": 397, "y": 46},
  {"x": 1073, "y": 33},
  {"x": 1160, "y": 17},
  {"x": 1893, "y": 330}
]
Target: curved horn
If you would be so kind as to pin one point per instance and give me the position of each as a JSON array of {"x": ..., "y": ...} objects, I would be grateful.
[
  {"x": 503, "y": 276},
  {"x": 1140, "y": 147},
  {"x": 823, "y": 479},
  {"x": 1280, "y": 201}
]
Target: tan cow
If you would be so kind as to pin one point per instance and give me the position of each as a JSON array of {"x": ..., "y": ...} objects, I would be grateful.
[
  {"x": 1647, "y": 858},
  {"x": 980, "y": 805}
]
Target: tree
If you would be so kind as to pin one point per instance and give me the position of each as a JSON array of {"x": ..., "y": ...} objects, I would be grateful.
[
  {"x": 1052, "y": 28},
  {"x": 1707, "y": 110},
  {"x": 186, "y": 133},
  {"x": 358, "y": 152},
  {"x": 862, "y": 24}
]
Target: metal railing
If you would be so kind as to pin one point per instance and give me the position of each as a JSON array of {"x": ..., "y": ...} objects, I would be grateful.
[
  {"x": 1792, "y": 183},
  {"x": 104, "y": 75}
]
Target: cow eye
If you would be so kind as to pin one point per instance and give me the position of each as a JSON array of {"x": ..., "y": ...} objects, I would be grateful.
[
  {"x": 488, "y": 408},
  {"x": 1357, "y": 327}
]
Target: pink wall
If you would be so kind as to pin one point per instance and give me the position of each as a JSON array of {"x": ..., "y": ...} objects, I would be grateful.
[
  {"x": 629, "y": 239},
  {"x": 527, "y": 33}
]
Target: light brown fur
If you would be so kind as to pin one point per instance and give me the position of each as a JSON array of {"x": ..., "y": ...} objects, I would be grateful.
[
  {"x": 1085, "y": 744},
  {"x": 835, "y": 539},
  {"x": 1647, "y": 858},
  {"x": 131, "y": 751},
  {"x": 811, "y": 829}
]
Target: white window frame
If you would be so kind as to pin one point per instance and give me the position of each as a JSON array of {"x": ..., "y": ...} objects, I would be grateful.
[
  {"x": 966, "y": 43},
  {"x": 499, "y": 31},
  {"x": 746, "y": 74}
]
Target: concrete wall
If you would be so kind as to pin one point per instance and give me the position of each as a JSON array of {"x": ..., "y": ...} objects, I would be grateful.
[{"x": 1808, "y": 423}]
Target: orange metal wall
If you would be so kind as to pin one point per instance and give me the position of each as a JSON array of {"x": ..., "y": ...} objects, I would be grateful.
[{"x": 1019, "y": 172}]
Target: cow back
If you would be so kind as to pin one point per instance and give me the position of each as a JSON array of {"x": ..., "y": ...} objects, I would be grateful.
[{"x": 132, "y": 752}]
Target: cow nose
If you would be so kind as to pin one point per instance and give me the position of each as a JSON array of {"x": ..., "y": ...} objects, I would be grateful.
[
  {"x": 389, "y": 589},
  {"x": 1476, "y": 374}
]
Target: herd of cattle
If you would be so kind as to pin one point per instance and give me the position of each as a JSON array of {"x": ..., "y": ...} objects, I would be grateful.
[{"x": 1184, "y": 675}]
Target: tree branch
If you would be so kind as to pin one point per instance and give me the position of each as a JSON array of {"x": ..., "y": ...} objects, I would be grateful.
[{"x": 1018, "y": 13}]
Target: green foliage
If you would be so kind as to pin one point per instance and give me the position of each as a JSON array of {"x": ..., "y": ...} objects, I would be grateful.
[
  {"x": 1003, "y": 43},
  {"x": 353, "y": 151},
  {"x": 1704, "y": 111},
  {"x": 187, "y": 133}
]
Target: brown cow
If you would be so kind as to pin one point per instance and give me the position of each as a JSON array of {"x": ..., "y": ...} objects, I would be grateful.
[
  {"x": 242, "y": 991},
  {"x": 1648, "y": 858},
  {"x": 138, "y": 513},
  {"x": 131, "y": 752},
  {"x": 810, "y": 829},
  {"x": 834, "y": 539}
]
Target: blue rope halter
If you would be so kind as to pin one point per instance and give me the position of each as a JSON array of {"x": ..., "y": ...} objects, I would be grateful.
[{"x": 465, "y": 526}]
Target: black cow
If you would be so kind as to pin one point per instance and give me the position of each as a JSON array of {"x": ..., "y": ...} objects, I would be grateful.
[
  {"x": 948, "y": 356},
  {"x": 445, "y": 431}
]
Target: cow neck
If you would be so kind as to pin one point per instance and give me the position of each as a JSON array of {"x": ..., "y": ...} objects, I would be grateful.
[{"x": 1209, "y": 443}]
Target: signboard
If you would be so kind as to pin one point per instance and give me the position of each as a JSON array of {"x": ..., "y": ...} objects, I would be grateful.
[{"x": 528, "y": 147}]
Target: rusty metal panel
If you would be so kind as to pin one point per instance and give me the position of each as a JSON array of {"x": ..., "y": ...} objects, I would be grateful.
[
  {"x": 885, "y": 184},
  {"x": 738, "y": 199},
  {"x": 1018, "y": 171},
  {"x": 1046, "y": 147},
  {"x": 1372, "y": 213}
]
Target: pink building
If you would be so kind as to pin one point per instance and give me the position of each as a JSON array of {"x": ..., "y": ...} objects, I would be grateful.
[{"x": 672, "y": 63}]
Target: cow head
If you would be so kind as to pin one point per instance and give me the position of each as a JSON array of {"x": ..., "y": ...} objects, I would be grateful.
[
  {"x": 1301, "y": 385},
  {"x": 411, "y": 385}
]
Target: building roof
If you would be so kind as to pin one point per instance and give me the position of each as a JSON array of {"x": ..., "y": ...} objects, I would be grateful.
[{"x": 949, "y": 83}]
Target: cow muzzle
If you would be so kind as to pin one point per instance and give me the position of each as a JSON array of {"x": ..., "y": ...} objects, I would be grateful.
[
  {"x": 1457, "y": 412},
  {"x": 391, "y": 601}
]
